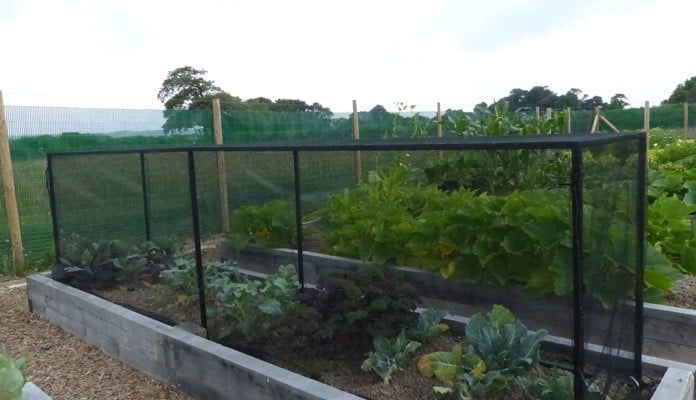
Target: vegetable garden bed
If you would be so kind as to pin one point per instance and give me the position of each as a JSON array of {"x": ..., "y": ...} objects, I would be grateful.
[
  {"x": 669, "y": 332},
  {"x": 170, "y": 353}
]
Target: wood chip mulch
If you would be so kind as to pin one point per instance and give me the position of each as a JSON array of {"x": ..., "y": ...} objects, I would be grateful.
[{"x": 65, "y": 367}]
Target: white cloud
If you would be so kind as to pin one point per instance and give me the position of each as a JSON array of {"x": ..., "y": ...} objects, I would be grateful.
[{"x": 116, "y": 53}]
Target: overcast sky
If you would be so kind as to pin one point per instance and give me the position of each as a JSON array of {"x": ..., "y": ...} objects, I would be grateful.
[{"x": 116, "y": 53}]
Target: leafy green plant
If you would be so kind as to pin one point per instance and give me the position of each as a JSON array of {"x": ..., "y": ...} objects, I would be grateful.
[
  {"x": 270, "y": 224},
  {"x": 351, "y": 308},
  {"x": 660, "y": 138},
  {"x": 12, "y": 376},
  {"x": 84, "y": 260},
  {"x": 557, "y": 386},
  {"x": 180, "y": 276},
  {"x": 466, "y": 373},
  {"x": 389, "y": 356},
  {"x": 522, "y": 236},
  {"x": 372, "y": 301},
  {"x": 419, "y": 127},
  {"x": 249, "y": 310},
  {"x": 670, "y": 228},
  {"x": 499, "y": 349},
  {"x": 147, "y": 259},
  {"x": 502, "y": 341},
  {"x": 503, "y": 121},
  {"x": 428, "y": 326},
  {"x": 107, "y": 262}
]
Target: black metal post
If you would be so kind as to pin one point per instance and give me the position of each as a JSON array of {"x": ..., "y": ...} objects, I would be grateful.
[
  {"x": 146, "y": 198},
  {"x": 193, "y": 191},
  {"x": 52, "y": 205},
  {"x": 578, "y": 305},
  {"x": 298, "y": 218},
  {"x": 641, "y": 199}
]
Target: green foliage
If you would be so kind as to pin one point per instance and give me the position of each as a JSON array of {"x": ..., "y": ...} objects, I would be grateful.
[
  {"x": 457, "y": 391},
  {"x": 428, "y": 326},
  {"x": 250, "y": 311},
  {"x": 502, "y": 342},
  {"x": 389, "y": 356},
  {"x": 500, "y": 172},
  {"x": 181, "y": 278},
  {"x": 108, "y": 262},
  {"x": 371, "y": 301},
  {"x": 270, "y": 224},
  {"x": 557, "y": 386},
  {"x": 372, "y": 221},
  {"x": 684, "y": 92},
  {"x": 503, "y": 121},
  {"x": 85, "y": 260},
  {"x": 414, "y": 126},
  {"x": 499, "y": 349},
  {"x": 12, "y": 376},
  {"x": 660, "y": 138},
  {"x": 679, "y": 156},
  {"x": 670, "y": 228},
  {"x": 521, "y": 237}
]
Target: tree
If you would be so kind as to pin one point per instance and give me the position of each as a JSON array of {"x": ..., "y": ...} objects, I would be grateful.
[
  {"x": 185, "y": 88},
  {"x": 571, "y": 99},
  {"x": 258, "y": 104},
  {"x": 540, "y": 96},
  {"x": 617, "y": 102},
  {"x": 683, "y": 93},
  {"x": 592, "y": 102}
]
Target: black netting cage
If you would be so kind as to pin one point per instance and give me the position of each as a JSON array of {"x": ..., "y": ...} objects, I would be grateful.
[{"x": 546, "y": 230}]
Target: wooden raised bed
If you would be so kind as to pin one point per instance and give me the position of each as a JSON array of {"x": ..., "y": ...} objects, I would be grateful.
[{"x": 207, "y": 370}]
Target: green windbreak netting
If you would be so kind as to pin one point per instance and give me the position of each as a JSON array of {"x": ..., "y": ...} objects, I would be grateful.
[
  {"x": 134, "y": 197},
  {"x": 35, "y": 131}
]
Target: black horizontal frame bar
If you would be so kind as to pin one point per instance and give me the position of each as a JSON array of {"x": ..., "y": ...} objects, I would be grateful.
[{"x": 504, "y": 142}]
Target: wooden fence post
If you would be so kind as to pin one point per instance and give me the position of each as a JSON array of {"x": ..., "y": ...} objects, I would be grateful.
[
  {"x": 9, "y": 191},
  {"x": 569, "y": 123},
  {"x": 221, "y": 170},
  {"x": 356, "y": 136},
  {"x": 686, "y": 120},
  {"x": 538, "y": 118},
  {"x": 439, "y": 121},
  {"x": 595, "y": 121}
]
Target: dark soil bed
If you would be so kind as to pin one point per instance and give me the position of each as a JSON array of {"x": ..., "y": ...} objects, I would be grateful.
[{"x": 340, "y": 369}]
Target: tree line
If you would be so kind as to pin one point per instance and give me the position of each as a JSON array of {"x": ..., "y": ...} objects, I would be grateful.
[{"x": 187, "y": 88}]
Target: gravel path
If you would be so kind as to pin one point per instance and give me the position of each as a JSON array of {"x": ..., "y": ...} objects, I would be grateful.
[{"x": 64, "y": 366}]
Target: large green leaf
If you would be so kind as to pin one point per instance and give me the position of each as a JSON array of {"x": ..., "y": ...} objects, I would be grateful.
[
  {"x": 547, "y": 232},
  {"x": 562, "y": 267},
  {"x": 516, "y": 242},
  {"x": 659, "y": 272},
  {"x": 670, "y": 182},
  {"x": 688, "y": 259},
  {"x": 443, "y": 365}
]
